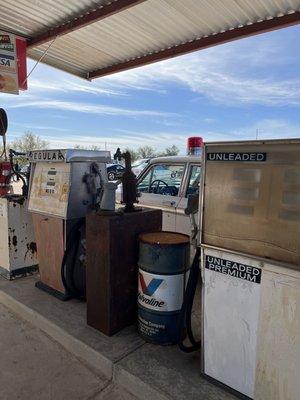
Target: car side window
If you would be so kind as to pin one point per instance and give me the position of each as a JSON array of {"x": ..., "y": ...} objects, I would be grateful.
[
  {"x": 162, "y": 179},
  {"x": 194, "y": 180}
]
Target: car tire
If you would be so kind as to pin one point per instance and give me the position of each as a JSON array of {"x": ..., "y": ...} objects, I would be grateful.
[{"x": 111, "y": 176}]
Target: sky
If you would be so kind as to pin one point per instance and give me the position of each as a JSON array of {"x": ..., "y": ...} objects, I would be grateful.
[{"x": 233, "y": 91}]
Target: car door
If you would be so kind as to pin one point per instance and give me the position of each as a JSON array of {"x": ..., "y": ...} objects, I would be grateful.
[
  {"x": 192, "y": 186},
  {"x": 160, "y": 187}
]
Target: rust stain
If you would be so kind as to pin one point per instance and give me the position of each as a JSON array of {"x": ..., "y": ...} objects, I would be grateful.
[
  {"x": 31, "y": 248},
  {"x": 15, "y": 241}
]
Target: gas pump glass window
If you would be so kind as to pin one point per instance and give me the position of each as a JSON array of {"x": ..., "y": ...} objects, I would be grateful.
[
  {"x": 162, "y": 179},
  {"x": 194, "y": 180}
]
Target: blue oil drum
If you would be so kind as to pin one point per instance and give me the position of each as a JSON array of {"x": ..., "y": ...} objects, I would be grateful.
[{"x": 163, "y": 273}]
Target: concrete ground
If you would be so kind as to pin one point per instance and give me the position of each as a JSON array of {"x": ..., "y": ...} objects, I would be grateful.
[
  {"x": 33, "y": 366},
  {"x": 106, "y": 367}
]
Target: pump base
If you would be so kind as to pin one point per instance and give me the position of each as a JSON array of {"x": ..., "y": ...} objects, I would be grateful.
[
  {"x": 18, "y": 273},
  {"x": 59, "y": 295},
  {"x": 225, "y": 387}
]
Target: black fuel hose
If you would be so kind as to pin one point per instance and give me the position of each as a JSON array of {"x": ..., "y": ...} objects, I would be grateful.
[
  {"x": 24, "y": 178},
  {"x": 68, "y": 268},
  {"x": 185, "y": 317}
]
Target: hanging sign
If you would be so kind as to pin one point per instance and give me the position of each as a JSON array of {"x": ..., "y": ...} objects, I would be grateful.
[{"x": 8, "y": 64}]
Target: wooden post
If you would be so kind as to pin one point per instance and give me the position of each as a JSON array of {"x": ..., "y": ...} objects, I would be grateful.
[{"x": 112, "y": 270}]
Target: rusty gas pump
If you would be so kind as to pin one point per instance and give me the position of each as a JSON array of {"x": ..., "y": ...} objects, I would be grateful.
[{"x": 18, "y": 255}]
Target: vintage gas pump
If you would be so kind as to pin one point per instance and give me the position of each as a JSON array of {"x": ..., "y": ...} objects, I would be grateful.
[
  {"x": 250, "y": 243},
  {"x": 18, "y": 256},
  {"x": 64, "y": 185}
]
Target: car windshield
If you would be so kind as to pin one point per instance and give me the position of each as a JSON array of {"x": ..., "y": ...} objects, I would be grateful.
[{"x": 139, "y": 163}]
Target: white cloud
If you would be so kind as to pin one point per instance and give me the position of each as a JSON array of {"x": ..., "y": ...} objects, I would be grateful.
[
  {"x": 71, "y": 85},
  {"x": 267, "y": 129},
  {"x": 264, "y": 129},
  {"x": 270, "y": 129},
  {"x": 235, "y": 74},
  {"x": 88, "y": 108}
]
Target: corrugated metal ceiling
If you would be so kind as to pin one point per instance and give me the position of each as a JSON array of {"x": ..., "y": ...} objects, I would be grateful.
[{"x": 148, "y": 27}]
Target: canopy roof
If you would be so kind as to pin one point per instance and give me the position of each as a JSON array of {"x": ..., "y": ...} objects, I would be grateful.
[{"x": 93, "y": 38}]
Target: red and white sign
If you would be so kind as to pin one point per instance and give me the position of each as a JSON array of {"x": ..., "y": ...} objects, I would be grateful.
[{"x": 12, "y": 63}]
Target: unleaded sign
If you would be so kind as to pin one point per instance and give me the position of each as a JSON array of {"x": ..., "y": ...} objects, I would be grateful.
[{"x": 252, "y": 157}]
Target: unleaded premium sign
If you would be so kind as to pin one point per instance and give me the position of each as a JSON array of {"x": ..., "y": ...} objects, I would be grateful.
[
  {"x": 250, "y": 157},
  {"x": 231, "y": 268}
]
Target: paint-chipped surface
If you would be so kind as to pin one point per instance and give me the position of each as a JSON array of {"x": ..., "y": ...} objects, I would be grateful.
[
  {"x": 278, "y": 351},
  {"x": 4, "y": 237},
  {"x": 17, "y": 242}
]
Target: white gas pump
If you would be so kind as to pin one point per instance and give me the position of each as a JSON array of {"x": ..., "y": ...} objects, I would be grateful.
[
  {"x": 250, "y": 244},
  {"x": 64, "y": 185}
]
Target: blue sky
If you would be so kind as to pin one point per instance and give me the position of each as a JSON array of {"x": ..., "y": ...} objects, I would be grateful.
[{"x": 222, "y": 93}]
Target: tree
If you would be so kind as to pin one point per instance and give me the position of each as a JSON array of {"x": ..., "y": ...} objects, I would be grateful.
[
  {"x": 28, "y": 142},
  {"x": 170, "y": 151},
  {"x": 91, "y": 147},
  {"x": 134, "y": 154},
  {"x": 146, "y": 152}
]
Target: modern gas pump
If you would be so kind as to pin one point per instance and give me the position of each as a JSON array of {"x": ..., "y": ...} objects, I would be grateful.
[
  {"x": 18, "y": 256},
  {"x": 64, "y": 185},
  {"x": 250, "y": 244}
]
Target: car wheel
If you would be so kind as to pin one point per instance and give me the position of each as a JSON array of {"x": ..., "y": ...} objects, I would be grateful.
[{"x": 111, "y": 176}]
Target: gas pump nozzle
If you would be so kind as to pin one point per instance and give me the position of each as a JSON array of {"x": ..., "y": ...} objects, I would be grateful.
[{"x": 93, "y": 182}]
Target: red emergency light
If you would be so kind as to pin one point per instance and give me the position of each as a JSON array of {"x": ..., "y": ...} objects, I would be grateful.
[{"x": 194, "y": 146}]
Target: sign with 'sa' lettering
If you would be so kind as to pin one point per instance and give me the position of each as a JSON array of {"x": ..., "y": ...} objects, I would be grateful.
[
  {"x": 8, "y": 64},
  {"x": 234, "y": 269}
]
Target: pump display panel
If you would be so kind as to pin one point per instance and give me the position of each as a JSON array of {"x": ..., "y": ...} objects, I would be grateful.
[
  {"x": 252, "y": 199},
  {"x": 50, "y": 189}
]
